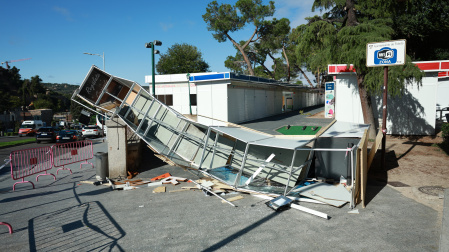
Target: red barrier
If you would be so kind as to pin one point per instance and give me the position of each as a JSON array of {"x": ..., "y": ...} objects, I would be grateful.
[
  {"x": 73, "y": 152},
  {"x": 9, "y": 226},
  {"x": 28, "y": 162}
]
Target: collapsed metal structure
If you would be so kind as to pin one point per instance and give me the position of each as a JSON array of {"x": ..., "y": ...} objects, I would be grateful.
[{"x": 243, "y": 158}]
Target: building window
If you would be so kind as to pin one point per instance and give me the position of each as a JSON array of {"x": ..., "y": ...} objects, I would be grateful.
[
  {"x": 166, "y": 99},
  {"x": 193, "y": 99}
]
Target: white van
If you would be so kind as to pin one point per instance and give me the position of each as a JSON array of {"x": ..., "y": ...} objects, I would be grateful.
[{"x": 30, "y": 127}]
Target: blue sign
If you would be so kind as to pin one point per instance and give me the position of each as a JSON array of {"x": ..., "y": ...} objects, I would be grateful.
[
  {"x": 385, "y": 55},
  {"x": 330, "y": 86}
]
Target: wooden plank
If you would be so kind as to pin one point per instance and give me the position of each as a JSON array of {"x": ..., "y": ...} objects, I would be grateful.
[
  {"x": 374, "y": 148},
  {"x": 357, "y": 194},
  {"x": 189, "y": 187},
  {"x": 180, "y": 190},
  {"x": 159, "y": 189},
  {"x": 239, "y": 197},
  {"x": 359, "y": 172},
  {"x": 364, "y": 167}
]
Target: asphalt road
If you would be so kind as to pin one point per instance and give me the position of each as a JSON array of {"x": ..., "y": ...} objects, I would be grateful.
[
  {"x": 4, "y": 152},
  {"x": 67, "y": 215}
]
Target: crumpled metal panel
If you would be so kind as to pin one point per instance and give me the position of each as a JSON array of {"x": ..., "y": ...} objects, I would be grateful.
[{"x": 229, "y": 153}]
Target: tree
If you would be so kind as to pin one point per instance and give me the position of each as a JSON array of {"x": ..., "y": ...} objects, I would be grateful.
[
  {"x": 43, "y": 103},
  {"x": 181, "y": 58},
  {"x": 225, "y": 19},
  {"x": 340, "y": 36}
]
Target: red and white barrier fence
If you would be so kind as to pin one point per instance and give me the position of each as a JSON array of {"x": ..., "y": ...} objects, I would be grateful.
[
  {"x": 73, "y": 152},
  {"x": 32, "y": 161},
  {"x": 9, "y": 226},
  {"x": 28, "y": 162}
]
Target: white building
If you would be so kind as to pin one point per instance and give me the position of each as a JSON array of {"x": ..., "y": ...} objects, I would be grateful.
[
  {"x": 231, "y": 97},
  {"x": 413, "y": 113}
]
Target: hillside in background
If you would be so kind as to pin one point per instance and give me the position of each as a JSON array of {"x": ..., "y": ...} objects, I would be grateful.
[{"x": 66, "y": 89}]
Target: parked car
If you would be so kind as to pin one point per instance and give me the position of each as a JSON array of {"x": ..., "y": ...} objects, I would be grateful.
[
  {"x": 29, "y": 128},
  {"x": 46, "y": 134},
  {"x": 91, "y": 131},
  {"x": 66, "y": 136}
]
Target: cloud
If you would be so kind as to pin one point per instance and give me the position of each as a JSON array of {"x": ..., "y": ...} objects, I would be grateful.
[
  {"x": 64, "y": 12},
  {"x": 296, "y": 11},
  {"x": 166, "y": 26},
  {"x": 50, "y": 76}
]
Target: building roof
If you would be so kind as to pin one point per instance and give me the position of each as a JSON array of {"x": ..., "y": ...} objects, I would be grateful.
[{"x": 217, "y": 76}]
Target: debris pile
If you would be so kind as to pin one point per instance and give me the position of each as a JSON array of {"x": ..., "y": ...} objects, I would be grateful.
[{"x": 317, "y": 190}]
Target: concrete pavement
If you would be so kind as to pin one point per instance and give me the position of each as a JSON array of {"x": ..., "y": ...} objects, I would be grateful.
[{"x": 67, "y": 215}]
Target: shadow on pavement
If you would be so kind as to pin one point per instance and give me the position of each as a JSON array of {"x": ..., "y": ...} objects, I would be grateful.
[
  {"x": 84, "y": 227},
  {"x": 238, "y": 234}
]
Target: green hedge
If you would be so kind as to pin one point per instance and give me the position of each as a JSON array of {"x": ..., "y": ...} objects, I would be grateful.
[{"x": 445, "y": 132}]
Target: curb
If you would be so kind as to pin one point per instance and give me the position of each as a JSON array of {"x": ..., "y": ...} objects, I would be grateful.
[{"x": 444, "y": 237}]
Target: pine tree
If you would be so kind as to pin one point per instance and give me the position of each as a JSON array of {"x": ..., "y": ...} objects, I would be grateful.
[{"x": 340, "y": 36}]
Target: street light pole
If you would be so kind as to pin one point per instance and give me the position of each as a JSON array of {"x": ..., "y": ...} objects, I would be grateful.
[
  {"x": 188, "y": 85},
  {"x": 152, "y": 71},
  {"x": 102, "y": 56},
  {"x": 153, "y": 52}
]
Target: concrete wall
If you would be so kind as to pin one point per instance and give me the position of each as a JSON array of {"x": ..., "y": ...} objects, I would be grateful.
[
  {"x": 413, "y": 113},
  {"x": 124, "y": 149},
  {"x": 231, "y": 100},
  {"x": 180, "y": 93},
  {"x": 347, "y": 99},
  {"x": 443, "y": 92},
  {"x": 443, "y": 97},
  {"x": 212, "y": 100},
  {"x": 247, "y": 104}
]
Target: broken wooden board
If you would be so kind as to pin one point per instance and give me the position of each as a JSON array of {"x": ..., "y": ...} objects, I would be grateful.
[
  {"x": 189, "y": 187},
  {"x": 160, "y": 189},
  {"x": 239, "y": 197},
  {"x": 221, "y": 186},
  {"x": 179, "y": 190},
  {"x": 87, "y": 182},
  {"x": 363, "y": 162},
  {"x": 374, "y": 148}
]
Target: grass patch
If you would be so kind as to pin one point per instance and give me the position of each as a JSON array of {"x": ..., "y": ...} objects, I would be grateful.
[
  {"x": 6, "y": 144},
  {"x": 298, "y": 130}
]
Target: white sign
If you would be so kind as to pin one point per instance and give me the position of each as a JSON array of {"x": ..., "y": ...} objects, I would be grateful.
[
  {"x": 389, "y": 53},
  {"x": 329, "y": 106}
]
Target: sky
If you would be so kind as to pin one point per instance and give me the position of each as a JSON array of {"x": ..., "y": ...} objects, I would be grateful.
[{"x": 56, "y": 34}]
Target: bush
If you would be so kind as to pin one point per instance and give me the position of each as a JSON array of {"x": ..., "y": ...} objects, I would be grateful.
[{"x": 445, "y": 132}]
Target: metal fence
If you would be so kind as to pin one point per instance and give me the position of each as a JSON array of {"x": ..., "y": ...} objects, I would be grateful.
[
  {"x": 70, "y": 153},
  {"x": 28, "y": 162},
  {"x": 39, "y": 160}
]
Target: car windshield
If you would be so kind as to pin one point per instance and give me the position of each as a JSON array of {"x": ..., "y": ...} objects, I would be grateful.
[
  {"x": 67, "y": 133},
  {"x": 91, "y": 127},
  {"x": 28, "y": 126}
]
